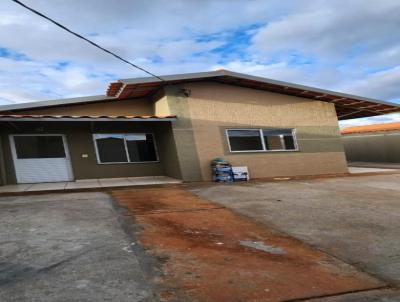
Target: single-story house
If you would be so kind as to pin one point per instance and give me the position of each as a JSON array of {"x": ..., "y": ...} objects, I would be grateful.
[
  {"x": 176, "y": 126},
  {"x": 378, "y": 143}
]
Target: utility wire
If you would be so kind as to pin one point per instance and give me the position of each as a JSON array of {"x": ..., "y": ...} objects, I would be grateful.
[{"x": 87, "y": 40}]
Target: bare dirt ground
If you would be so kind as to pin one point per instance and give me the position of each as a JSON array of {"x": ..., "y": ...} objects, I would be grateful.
[
  {"x": 210, "y": 253},
  {"x": 356, "y": 219}
]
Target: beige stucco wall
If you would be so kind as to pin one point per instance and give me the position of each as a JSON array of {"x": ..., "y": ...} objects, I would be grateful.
[
  {"x": 213, "y": 107},
  {"x": 161, "y": 106},
  {"x": 373, "y": 146},
  {"x": 172, "y": 102},
  {"x": 141, "y": 106}
]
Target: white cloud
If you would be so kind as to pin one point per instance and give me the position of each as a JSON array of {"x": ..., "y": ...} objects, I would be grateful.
[
  {"x": 276, "y": 71},
  {"x": 351, "y": 45},
  {"x": 333, "y": 30},
  {"x": 383, "y": 84},
  {"x": 37, "y": 81}
]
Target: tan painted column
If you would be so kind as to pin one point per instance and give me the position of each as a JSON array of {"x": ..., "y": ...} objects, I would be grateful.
[{"x": 175, "y": 103}]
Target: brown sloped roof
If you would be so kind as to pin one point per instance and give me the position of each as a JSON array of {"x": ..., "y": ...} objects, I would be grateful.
[
  {"x": 35, "y": 117},
  {"x": 347, "y": 106},
  {"x": 372, "y": 128}
]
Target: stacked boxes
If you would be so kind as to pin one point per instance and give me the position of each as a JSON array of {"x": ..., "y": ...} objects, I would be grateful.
[{"x": 222, "y": 170}]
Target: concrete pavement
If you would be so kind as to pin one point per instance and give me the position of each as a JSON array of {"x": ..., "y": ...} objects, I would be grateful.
[
  {"x": 356, "y": 219},
  {"x": 81, "y": 247},
  {"x": 66, "y": 247}
]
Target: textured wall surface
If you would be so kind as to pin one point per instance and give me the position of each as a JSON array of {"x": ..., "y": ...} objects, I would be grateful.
[
  {"x": 373, "y": 147},
  {"x": 175, "y": 103},
  {"x": 214, "y": 107}
]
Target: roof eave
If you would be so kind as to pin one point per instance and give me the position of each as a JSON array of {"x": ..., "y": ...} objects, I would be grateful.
[
  {"x": 222, "y": 73},
  {"x": 55, "y": 103},
  {"x": 88, "y": 119}
]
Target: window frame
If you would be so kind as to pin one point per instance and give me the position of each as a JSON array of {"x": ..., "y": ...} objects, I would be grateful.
[
  {"x": 265, "y": 150},
  {"x": 126, "y": 148}
]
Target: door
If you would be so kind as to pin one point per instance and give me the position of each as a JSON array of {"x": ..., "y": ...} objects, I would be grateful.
[{"x": 41, "y": 158}]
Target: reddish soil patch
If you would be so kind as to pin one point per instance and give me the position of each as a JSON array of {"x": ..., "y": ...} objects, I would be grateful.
[
  {"x": 206, "y": 262},
  {"x": 140, "y": 202}
]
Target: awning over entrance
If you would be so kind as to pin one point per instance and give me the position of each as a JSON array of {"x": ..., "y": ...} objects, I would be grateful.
[{"x": 87, "y": 118}]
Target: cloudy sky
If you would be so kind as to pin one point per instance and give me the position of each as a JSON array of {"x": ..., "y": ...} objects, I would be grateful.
[{"x": 350, "y": 46}]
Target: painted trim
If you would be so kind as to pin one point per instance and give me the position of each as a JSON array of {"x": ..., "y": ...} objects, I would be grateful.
[
  {"x": 265, "y": 150},
  {"x": 126, "y": 150}
]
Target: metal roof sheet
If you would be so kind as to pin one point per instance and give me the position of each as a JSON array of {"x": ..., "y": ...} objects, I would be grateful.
[
  {"x": 347, "y": 105},
  {"x": 58, "y": 102}
]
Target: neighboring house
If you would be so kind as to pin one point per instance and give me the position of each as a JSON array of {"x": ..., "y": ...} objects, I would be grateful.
[
  {"x": 373, "y": 143},
  {"x": 175, "y": 127}
]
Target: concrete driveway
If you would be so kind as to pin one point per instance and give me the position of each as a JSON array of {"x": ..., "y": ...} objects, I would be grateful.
[
  {"x": 356, "y": 219},
  {"x": 66, "y": 247},
  {"x": 83, "y": 247}
]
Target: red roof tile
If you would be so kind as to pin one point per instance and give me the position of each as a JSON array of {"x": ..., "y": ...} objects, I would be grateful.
[
  {"x": 85, "y": 117},
  {"x": 372, "y": 128}
]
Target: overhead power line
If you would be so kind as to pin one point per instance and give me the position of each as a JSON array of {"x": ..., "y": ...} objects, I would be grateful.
[{"x": 85, "y": 39}]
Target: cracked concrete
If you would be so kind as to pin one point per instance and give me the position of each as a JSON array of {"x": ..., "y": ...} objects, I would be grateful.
[{"x": 66, "y": 247}]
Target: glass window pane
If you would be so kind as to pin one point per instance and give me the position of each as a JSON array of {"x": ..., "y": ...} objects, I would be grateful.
[
  {"x": 275, "y": 132},
  {"x": 39, "y": 146},
  {"x": 141, "y": 147},
  {"x": 245, "y": 140},
  {"x": 289, "y": 142},
  {"x": 273, "y": 142},
  {"x": 278, "y": 139},
  {"x": 111, "y": 148}
]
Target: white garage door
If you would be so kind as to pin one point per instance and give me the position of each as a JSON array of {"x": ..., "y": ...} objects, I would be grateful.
[{"x": 41, "y": 158}]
